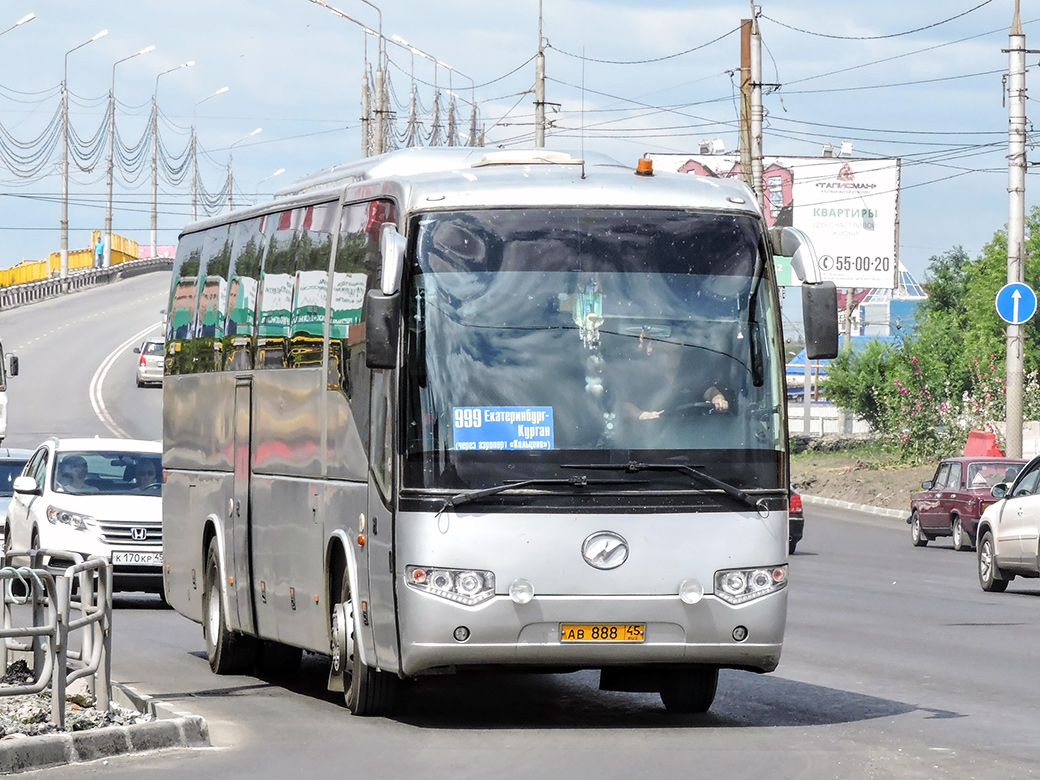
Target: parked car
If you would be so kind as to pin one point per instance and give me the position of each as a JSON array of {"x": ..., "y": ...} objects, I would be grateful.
[
  {"x": 952, "y": 501},
  {"x": 150, "y": 364},
  {"x": 94, "y": 497},
  {"x": 12, "y": 461},
  {"x": 1009, "y": 531},
  {"x": 795, "y": 521}
]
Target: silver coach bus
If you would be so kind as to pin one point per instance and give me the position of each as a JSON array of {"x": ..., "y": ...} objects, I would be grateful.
[{"x": 466, "y": 409}]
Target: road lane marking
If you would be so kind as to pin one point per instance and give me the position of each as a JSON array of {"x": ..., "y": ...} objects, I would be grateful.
[{"x": 97, "y": 381}]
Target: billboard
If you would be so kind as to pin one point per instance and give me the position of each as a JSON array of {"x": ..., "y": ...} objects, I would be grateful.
[{"x": 848, "y": 207}]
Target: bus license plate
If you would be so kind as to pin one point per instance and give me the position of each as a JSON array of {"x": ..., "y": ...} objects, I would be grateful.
[
  {"x": 602, "y": 632},
  {"x": 138, "y": 558}
]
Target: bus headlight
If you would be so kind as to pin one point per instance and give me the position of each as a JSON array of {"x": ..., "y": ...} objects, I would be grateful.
[
  {"x": 463, "y": 586},
  {"x": 737, "y": 586},
  {"x": 71, "y": 519}
]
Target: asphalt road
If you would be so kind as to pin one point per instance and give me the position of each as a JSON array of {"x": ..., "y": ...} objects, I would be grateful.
[{"x": 896, "y": 664}]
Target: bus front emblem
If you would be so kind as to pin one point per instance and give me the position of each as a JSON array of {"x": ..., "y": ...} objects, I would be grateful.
[{"x": 604, "y": 550}]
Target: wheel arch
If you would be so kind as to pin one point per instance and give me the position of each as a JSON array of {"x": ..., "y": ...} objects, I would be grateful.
[
  {"x": 213, "y": 527},
  {"x": 340, "y": 557}
]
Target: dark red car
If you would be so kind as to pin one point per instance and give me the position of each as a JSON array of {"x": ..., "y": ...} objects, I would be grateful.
[{"x": 953, "y": 500}]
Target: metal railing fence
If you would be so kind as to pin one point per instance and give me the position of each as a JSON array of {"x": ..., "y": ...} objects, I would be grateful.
[{"x": 43, "y": 613}]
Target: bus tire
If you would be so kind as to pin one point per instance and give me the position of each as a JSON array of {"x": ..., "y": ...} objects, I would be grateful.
[
  {"x": 228, "y": 651},
  {"x": 691, "y": 690},
  {"x": 366, "y": 691}
]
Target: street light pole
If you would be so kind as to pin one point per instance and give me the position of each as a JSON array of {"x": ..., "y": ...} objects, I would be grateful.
[
  {"x": 256, "y": 192},
  {"x": 230, "y": 180},
  {"x": 64, "y": 268},
  {"x": 27, "y": 18},
  {"x": 155, "y": 156},
  {"x": 194, "y": 155},
  {"x": 107, "y": 259},
  {"x": 413, "y": 107},
  {"x": 472, "y": 102},
  {"x": 380, "y": 86}
]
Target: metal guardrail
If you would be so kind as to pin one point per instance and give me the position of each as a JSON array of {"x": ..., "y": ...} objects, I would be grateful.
[
  {"x": 31, "y": 292},
  {"x": 53, "y": 616}
]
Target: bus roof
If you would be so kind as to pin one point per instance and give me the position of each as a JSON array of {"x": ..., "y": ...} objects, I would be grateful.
[{"x": 448, "y": 178}]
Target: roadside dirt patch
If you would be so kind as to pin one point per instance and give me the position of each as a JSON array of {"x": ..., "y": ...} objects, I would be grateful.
[{"x": 848, "y": 477}]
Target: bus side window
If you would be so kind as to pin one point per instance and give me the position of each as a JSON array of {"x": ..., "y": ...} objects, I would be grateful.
[
  {"x": 180, "y": 311},
  {"x": 212, "y": 301},
  {"x": 355, "y": 271},
  {"x": 311, "y": 285},
  {"x": 247, "y": 247}
]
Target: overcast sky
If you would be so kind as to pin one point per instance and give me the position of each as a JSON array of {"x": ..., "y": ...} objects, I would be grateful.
[{"x": 919, "y": 81}]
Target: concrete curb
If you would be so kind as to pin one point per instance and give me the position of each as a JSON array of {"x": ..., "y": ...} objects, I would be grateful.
[
  {"x": 170, "y": 729},
  {"x": 899, "y": 514}
]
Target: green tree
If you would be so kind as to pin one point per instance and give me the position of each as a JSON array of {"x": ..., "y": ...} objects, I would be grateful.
[{"x": 949, "y": 375}]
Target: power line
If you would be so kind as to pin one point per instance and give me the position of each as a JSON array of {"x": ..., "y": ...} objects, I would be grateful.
[{"x": 877, "y": 37}]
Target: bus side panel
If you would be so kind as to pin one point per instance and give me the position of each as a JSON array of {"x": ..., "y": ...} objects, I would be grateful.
[
  {"x": 288, "y": 550},
  {"x": 287, "y": 421},
  {"x": 346, "y": 455},
  {"x": 287, "y": 507},
  {"x": 189, "y": 498},
  {"x": 198, "y": 421}
]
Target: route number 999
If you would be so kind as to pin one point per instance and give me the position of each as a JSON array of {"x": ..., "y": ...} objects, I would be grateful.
[{"x": 467, "y": 417}]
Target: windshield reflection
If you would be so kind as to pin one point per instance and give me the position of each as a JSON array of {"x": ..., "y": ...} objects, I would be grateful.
[{"x": 535, "y": 334}]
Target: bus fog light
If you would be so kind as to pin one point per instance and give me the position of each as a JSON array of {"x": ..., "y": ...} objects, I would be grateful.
[
  {"x": 691, "y": 591},
  {"x": 461, "y": 634},
  {"x": 521, "y": 591},
  {"x": 737, "y": 586},
  {"x": 740, "y": 633}
]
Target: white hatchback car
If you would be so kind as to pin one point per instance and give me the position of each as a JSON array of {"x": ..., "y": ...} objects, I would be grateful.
[
  {"x": 95, "y": 497},
  {"x": 150, "y": 365}
]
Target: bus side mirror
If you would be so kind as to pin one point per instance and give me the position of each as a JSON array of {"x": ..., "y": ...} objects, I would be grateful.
[
  {"x": 382, "y": 328},
  {"x": 999, "y": 491},
  {"x": 820, "y": 317},
  {"x": 12, "y": 362},
  {"x": 391, "y": 250}
]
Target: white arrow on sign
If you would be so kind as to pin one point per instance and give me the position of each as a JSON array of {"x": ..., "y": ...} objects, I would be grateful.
[{"x": 1016, "y": 296}]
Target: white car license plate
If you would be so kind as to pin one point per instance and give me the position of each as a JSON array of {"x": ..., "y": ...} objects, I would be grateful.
[{"x": 138, "y": 558}]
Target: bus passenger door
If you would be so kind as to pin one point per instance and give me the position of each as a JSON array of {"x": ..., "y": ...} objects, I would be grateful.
[
  {"x": 238, "y": 546},
  {"x": 382, "y": 607}
]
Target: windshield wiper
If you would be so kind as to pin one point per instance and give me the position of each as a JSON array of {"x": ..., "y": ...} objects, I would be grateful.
[
  {"x": 634, "y": 466},
  {"x": 473, "y": 495}
]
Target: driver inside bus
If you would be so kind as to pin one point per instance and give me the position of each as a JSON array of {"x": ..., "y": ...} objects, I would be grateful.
[{"x": 665, "y": 388}]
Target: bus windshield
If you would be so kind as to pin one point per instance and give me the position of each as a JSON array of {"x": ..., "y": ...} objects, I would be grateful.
[{"x": 543, "y": 337}]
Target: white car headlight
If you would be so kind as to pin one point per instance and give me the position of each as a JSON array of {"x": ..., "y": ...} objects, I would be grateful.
[
  {"x": 740, "y": 585},
  {"x": 56, "y": 515}
]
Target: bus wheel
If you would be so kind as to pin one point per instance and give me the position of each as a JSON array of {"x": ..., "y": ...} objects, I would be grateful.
[
  {"x": 366, "y": 690},
  {"x": 691, "y": 690},
  {"x": 229, "y": 652}
]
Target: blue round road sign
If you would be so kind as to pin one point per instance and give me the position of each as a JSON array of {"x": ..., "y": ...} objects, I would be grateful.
[{"x": 1016, "y": 303}]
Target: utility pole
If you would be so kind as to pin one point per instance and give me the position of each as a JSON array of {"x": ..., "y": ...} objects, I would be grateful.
[
  {"x": 745, "y": 101},
  {"x": 1016, "y": 227},
  {"x": 539, "y": 87},
  {"x": 756, "y": 110}
]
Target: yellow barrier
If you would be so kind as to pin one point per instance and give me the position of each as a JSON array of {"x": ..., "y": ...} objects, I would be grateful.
[{"x": 123, "y": 249}]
